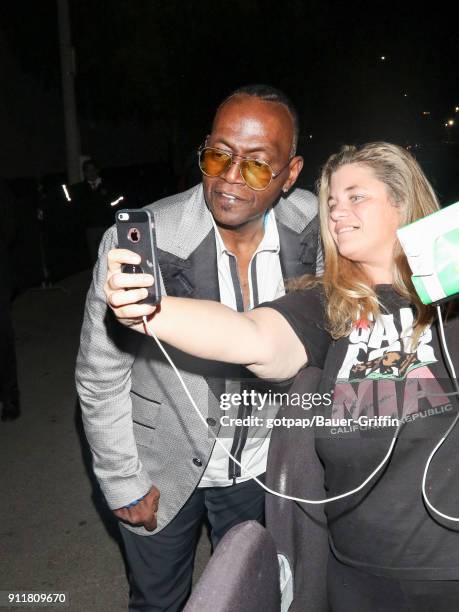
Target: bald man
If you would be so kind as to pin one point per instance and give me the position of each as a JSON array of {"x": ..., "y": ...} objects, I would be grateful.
[{"x": 235, "y": 238}]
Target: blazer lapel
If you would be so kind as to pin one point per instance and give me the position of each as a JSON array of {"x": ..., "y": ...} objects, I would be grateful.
[
  {"x": 298, "y": 251},
  {"x": 196, "y": 277}
]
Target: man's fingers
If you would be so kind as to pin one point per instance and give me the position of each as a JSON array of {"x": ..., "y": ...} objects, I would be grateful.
[
  {"x": 151, "y": 500},
  {"x": 151, "y": 522},
  {"x": 142, "y": 516},
  {"x": 122, "y": 514},
  {"x": 143, "y": 513},
  {"x": 153, "y": 495},
  {"x": 151, "y": 525},
  {"x": 136, "y": 517}
]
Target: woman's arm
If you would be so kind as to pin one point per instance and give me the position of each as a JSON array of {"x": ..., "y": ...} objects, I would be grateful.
[{"x": 262, "y": 339}]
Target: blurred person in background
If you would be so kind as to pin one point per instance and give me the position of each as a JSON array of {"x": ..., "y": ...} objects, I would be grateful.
[{"x": 94, "y": 199}]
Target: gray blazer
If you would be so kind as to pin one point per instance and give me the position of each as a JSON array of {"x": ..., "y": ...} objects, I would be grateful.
[{"x": 138, "y": 421}]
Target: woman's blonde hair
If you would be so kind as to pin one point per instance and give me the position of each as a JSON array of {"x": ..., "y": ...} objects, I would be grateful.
[{"x": 349, "y": 293}]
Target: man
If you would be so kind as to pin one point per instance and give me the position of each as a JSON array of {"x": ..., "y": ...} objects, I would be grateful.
[
  {"x": 233, "y": 239},
  {"x": 94, "y": 200}
]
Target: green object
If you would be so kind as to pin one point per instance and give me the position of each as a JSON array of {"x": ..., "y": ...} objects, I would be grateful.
[
  {"x": 446, "y": 257},
  {"x": 421, "y": 290}
]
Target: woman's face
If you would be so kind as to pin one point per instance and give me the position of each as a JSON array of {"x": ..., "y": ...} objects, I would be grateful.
[{"x": 363, "y": 220}]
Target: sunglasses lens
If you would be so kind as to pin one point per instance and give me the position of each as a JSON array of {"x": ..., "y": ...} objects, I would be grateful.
[
  {"x": 213, "y": 162},
  {"x": 256, "y": 174}
]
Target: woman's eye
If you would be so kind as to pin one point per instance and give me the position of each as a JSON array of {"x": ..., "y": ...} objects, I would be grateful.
[{"x": 355, "y": 198}]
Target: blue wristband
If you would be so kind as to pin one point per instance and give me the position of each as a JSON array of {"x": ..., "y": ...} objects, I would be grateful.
[{"x": 135, "y": 502}]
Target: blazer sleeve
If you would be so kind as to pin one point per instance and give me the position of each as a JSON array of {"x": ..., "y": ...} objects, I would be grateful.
[{"x": 103, "y": 380}]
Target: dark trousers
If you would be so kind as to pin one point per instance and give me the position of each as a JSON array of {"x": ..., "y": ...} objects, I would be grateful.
[
  {"x": 161, "y": 565},
  {"x": 9, "y": 393},
  {"x": 352, "y": 590},
  {"x": 93, "y": 238}
]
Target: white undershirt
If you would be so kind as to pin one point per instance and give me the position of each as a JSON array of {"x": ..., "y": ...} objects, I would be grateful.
[{"x": 270, "y": 286}]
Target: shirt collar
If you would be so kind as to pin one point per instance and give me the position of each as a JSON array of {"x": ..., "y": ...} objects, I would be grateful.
[{"x": 269, "y": 242}]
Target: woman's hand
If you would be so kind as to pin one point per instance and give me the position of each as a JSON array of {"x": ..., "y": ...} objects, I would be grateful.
[{"x": 124, "y": 291}]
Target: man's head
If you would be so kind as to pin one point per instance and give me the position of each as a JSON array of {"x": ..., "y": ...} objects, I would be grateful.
[
  {"x": 269, "y": 94},
  {"x": 90, "y": 170},
  {"x": 260, "y": 123}
]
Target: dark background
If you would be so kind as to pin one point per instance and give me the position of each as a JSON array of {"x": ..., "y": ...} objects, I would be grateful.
[{"x": 149, "y": 74}]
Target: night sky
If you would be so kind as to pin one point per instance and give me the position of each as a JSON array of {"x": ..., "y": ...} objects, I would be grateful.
[{"x": 150, "y": 73}]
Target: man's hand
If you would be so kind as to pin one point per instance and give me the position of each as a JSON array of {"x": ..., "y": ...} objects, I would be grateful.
[
  {"x": 123, "y": 291},
  {"x": 143, "y": 513}
]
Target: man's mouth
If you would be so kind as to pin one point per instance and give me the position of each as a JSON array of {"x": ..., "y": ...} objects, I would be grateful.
[{"x": 228, "y": 197}]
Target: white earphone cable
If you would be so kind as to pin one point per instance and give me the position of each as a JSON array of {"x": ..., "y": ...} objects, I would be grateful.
[
  {"x": 151, "y": 333},
  {"x": 452, "y": 374},
  {"x": 379, "y": 467}
]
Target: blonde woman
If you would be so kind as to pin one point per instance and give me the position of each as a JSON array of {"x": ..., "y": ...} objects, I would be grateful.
[{"x": 378, "y": 346}]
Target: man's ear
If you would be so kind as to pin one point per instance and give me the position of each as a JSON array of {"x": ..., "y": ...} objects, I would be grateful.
[{"x": 296, "y": 165}]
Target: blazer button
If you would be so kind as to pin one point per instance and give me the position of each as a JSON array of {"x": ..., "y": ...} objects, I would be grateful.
[
  {"x": 197, "y": 462},
  {"x": 211, "y": 421}
]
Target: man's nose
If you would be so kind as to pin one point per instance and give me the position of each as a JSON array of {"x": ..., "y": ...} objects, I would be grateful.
[{"x": 233, "y": 173}]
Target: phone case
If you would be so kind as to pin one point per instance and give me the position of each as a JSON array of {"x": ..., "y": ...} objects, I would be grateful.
[{"x": 136, "y": 232}]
